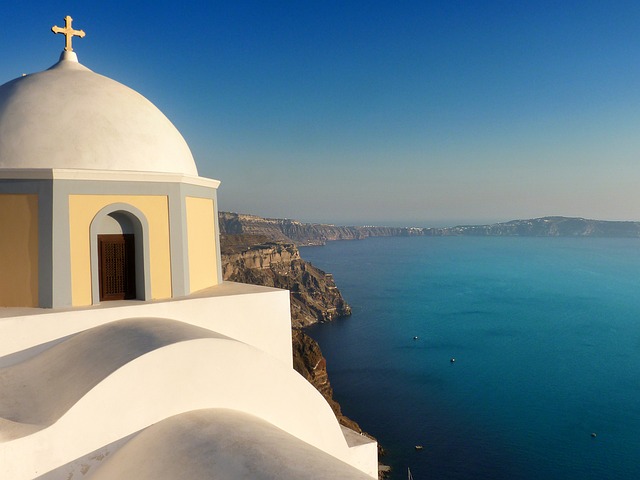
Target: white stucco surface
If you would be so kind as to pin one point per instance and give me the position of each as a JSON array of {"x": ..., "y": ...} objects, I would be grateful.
[
  {"x": 255, "y": 315},
  {"x": 99, "y": 386},
  {"x": 210, "y": 440},
  {"x": 69, "y": 117},
  {"x": 38, "y": 391}
]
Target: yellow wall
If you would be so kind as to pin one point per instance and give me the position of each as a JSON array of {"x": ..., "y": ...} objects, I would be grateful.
[
  {"x": 201, "y": 243},
  {"x": 82, "y": 210},
  {"x": 18, "y": 250}
]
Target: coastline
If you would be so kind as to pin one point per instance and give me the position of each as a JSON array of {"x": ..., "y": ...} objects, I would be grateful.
[
  {"x": 315, "y": 234},
  {"x": 576, "y": 231}
]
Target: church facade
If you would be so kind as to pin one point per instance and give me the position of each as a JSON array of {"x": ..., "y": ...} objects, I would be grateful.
[
  {"x": 123, "y": 354},
  {"x": 81, "y": 152},
  {"x": 168, "y": 221}
]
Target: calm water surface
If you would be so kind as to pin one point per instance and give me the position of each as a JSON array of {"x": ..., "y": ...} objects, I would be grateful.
[{"x": 546, "y": 337}]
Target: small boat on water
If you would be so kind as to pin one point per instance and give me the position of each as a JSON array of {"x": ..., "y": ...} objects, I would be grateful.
[{"x": 419, "y": 447}]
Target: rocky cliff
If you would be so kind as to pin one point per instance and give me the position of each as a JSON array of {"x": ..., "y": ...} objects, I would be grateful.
[
  {"x": 311, "y": 364},
  {"x": 299, "y": 233},
  {"x": 314, "y": 295}
]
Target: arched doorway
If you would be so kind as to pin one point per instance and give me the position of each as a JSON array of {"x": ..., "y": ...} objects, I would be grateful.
[
  {"x": 117, "y": 258},
  {"x": 119, "y": 254}
]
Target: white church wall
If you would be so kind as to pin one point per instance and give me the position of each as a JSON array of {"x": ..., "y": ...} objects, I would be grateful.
[
  {"x": 255, "y": 315},
  {"x": 181, "y": 377},
  {"x": 363, "y": 452}
]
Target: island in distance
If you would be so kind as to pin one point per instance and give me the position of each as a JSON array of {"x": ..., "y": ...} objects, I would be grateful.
[{"x": 299, "y": 233}]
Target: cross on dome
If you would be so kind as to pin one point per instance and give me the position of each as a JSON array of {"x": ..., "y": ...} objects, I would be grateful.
[{"x": 68, "y": 32}]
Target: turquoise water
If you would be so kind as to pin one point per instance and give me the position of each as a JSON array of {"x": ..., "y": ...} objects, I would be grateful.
[{"x": 546, "y": 337}]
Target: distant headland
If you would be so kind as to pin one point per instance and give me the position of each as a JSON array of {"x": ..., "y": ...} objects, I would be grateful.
[{"x": 302, "y": 234}]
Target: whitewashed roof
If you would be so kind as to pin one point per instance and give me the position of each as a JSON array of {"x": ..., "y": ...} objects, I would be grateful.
[{"x": 68, "y": 117}]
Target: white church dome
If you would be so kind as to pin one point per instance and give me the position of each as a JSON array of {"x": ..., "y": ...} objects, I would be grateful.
[{"x": 68, "y": 117}]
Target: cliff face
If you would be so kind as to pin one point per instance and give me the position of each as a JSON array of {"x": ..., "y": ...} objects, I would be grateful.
[
  {"x": 239, "y": 224},
  {"x": 314, "y": 296},
  {"x": 298, "y": 233},
  {"x": 311, "y": 364}
]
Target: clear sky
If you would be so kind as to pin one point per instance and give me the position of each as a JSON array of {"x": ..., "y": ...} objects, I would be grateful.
[{"x": 412, "y": 112}]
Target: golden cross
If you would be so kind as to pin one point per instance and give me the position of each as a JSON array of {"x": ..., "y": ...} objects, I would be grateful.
[{"x": 68, "y": 32}]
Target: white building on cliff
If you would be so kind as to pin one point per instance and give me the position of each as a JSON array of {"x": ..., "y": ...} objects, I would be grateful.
[{"x": 123, "y": 354}]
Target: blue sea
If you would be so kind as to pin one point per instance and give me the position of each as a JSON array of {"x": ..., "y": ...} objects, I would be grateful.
[{"x": 545, "y": 333}]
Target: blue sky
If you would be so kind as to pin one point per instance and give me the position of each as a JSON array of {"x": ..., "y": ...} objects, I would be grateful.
[{"x": 417, "y": 113}]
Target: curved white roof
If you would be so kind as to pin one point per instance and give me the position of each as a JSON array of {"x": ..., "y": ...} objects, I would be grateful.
[
  {"x": 68, "y": 117},
  {"x": 221, "y": 443}
]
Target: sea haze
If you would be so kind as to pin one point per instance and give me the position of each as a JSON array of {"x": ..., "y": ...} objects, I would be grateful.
[{"x": 546, "y": 337}]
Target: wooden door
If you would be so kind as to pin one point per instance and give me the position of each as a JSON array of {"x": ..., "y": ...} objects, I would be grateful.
[{"x": 117, "y": 266}]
